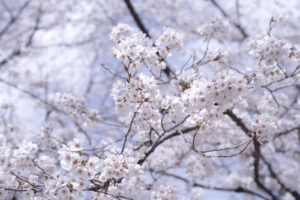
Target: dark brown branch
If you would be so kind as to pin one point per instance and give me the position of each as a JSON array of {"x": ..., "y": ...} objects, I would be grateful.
[
  {"x": 11, "y": 56},
  {"x": 143, "y": 28},
  {"x": 162, "y": 140},
  {"x": 203, "y": 153},
  {"x": 28, "y": 43},
  {"x": 238, "y": 121},
  {"x": 13, "y": 19},
  {"x": 136, "y": 18},
  {"x": 129, "y": 129},
  {"x": 274, "y": 175},
  {"x": 256, "y": 153},
  {"x": 15, "y": 190},
  {"x": 286, "y": 132}
]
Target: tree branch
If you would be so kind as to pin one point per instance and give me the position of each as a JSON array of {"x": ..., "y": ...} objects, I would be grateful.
[
  {"x": 143, "y": 28},
  {"x": 162, "y": 140},
  {"x": 238, "y": 26},
  {"x": 238, "y": 189}
]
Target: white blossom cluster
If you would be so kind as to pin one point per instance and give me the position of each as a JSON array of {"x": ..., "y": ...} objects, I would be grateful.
[
  {"x": 41, "y": 178},
  {"x": 151, "y": 109},
  {"x": 220, "y": 57},
  {"x": 75, "y": 107},
  {"x": 197, "y": 194},
  {"x": 216, "y": 27},
  {"x": 114, "y": 167},
  {"x": 174, "y": 128},
  {"x": 164, "y": 193},
  {"x": 263, "y": 126},
  {"x": 168, "y": 41},
  {"x": 203, "y": 99},
  {"x": 269, "y": 48},
  {"x": 126, "y": 177},
  {"x": 133, "y": 48},
  {"x": 199, "y": 168},
  {"x": 140, "y": 90},
  {"x": 266, "y": 74},
  {"x": 207, "y": 99},
  {"x": 191, "y": 99},
  {"x": 15, "y": 163},
  {"x": 214, "y": 94}
]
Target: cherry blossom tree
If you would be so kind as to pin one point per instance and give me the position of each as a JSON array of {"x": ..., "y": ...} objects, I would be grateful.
[{"x": 154, "y": 99}]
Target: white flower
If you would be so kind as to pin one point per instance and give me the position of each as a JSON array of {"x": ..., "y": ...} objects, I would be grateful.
[
  {"x": 33, "y": 178},
  {"x": 164, "y": 193},
  {"x": 75, "y": 107},
  {"x": 217, "y": 27},
  {"x": 168, "y": 41},
  {"x": 269, "y": 48},
  {"x": 197, "y": 194}
]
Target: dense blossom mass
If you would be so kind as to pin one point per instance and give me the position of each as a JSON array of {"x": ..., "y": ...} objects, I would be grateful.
[{"x": 174, "y": 110}]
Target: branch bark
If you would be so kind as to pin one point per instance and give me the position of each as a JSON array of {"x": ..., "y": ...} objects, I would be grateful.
[
  {"x": 256, "y": 153},
  {"x": 162, "y": 140},
  {"x": 143, "y": 28}
]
